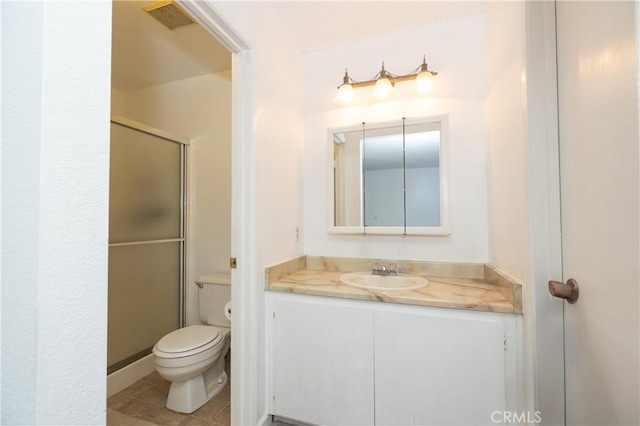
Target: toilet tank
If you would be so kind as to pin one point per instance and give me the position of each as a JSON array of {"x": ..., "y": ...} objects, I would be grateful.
[{"x": 214, "y": 291}]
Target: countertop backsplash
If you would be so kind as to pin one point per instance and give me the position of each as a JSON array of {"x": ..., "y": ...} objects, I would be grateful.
[{"x": 468, "y": 286}]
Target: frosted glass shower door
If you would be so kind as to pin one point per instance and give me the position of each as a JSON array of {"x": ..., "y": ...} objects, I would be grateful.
[{"x": 146, "y": 242}]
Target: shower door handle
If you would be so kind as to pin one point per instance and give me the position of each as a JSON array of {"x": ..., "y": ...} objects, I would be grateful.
[{"x": 568, "y": 291}]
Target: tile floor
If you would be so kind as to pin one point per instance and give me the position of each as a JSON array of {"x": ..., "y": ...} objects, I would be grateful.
[{"x": 143, "y": 403}]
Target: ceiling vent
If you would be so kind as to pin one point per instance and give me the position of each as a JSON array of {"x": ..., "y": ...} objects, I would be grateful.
[{"x": 168, "y": 13}]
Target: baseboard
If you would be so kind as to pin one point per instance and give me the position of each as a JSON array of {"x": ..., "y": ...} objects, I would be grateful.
[
  {"x": 284, "y": 421},
  {"x": 265, "y": 420},
  {"x": 130, "y": 374}
]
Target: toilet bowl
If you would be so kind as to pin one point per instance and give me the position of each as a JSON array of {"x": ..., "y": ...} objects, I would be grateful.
[{"x": 193, "y": 360}]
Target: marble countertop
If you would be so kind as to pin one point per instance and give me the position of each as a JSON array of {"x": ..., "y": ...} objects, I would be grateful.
[{"x": 447, "y": 292}]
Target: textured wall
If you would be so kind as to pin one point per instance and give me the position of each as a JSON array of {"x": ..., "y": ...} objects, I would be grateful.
[{"x": 55, "y": 180}]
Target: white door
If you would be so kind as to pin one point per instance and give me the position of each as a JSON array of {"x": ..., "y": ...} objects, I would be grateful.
[
  {"x": 598, "y": 116},
  {"x": 447, "y": 368},
  {"x": 322, "y": 361}
]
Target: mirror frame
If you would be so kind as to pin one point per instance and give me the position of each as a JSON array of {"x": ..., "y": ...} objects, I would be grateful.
[{"x": 442, "y": 230}]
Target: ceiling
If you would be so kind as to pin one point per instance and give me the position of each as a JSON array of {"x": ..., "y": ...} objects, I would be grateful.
[
  {"x": 146, "y": 53},
  {"x": 325, "y": 24}
]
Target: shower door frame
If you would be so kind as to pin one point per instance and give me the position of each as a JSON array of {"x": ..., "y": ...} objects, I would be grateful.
[{"x": 184, "y": 224}]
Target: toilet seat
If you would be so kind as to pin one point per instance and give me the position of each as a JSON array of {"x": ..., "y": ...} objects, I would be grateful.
[{"x": 188, "y": 341}]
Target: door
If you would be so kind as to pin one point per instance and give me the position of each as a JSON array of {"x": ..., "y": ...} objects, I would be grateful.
[
  {"x": 598, "y": 116},
  {"x": 444, "y": 368},
  {"x": 322, "y": 361},
  {"x": 146, "y": 242}
]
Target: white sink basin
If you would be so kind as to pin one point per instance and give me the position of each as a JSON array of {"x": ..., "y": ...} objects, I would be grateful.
[{"x": 378, "y": 282}]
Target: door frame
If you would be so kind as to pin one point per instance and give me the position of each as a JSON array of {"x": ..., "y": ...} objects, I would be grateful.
[
  {"x": 244, "y": 295},
  {"x": 544, "y": 324}
]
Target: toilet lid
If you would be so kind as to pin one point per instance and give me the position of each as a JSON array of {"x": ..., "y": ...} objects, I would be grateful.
[{"x": 189, "y": 338}]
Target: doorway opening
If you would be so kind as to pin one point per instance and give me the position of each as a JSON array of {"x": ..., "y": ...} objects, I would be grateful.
[{"x": 177, "y": 81}]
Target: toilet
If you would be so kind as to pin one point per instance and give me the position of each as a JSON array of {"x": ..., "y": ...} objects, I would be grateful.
[{"x": 193, "y": 358}]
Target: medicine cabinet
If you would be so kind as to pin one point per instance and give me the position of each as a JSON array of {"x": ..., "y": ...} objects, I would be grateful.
[{"x": 389, "y": 178}]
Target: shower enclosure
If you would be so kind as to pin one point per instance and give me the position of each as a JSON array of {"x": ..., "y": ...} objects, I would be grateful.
[{"x": 146, "y": 240}]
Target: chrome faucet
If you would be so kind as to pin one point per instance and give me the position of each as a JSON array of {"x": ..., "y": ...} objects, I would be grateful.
[{"x": 384, "y": 270}]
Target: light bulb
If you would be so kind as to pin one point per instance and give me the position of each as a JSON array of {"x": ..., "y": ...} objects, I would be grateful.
[
  {"x": 383, "y": 89},
  {"x": 424, "y": 82},
  {"x": 345, "y": 95}
]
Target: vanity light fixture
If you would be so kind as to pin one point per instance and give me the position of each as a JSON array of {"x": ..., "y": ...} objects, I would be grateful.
[{"x": 384, "y": 82}]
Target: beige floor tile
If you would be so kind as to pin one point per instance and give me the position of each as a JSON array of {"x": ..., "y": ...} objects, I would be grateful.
[
  {"x": 223, "y": 417},
  {"x": 135, "y": 408},
  {"x": 134, "y": 388},
  {"x": 144, "y": 403},
  {"x": 162, "y": 416},
  {"x": 148, "y": 392},
  {"x": 115, "y": 418},
  {"x": 225, "y": 395},
  {"x": 209, "y": 410},
  {"x": 157, "y": 396},
  {"x": 118, "y": 401},
  {"x": 155, "y": 379},
  {"x": 195, "y": 421}
]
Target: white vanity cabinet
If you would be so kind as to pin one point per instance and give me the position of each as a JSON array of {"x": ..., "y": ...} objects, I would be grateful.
[{"x": 337, "y": 361}]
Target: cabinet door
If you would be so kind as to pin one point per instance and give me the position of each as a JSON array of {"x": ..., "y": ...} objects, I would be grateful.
[
  {"x": 433, "y": 370},
  {"x": 322, "y": 361}
]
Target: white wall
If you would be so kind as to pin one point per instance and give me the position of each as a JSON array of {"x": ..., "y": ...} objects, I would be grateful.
[
  {"x": 198, "y": 108},
  {"x": 505, "y": 110},
  {"x": 55, "y": 177},
  {"x": 278, "y": 135},
  {"x": 456, "y": 50},
  {"x": 278, "y": 127}
]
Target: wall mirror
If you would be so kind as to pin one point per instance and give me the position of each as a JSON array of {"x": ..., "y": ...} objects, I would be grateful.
[{"x": 389, "y": 178}]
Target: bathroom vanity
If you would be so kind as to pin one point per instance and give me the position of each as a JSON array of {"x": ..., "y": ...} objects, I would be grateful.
[{"x": 446, "y": 353}]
